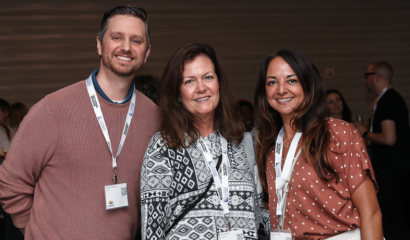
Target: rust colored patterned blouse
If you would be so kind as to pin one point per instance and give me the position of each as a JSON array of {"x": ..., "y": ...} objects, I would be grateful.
[{"x": 318, "y": 209}]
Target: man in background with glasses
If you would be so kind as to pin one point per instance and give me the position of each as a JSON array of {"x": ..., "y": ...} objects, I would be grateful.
[{"x": 389, "y": 134}]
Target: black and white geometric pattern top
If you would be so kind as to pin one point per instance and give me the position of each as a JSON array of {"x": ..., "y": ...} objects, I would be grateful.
[{"x": 172, "y": 179}]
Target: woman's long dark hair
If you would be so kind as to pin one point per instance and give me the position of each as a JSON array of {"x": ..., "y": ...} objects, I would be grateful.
[
  {"x": 309, "y": 118},
  {"x": 346, "y": 113},
  {"x": 5, "y": 107},
  {"x": 176, "y": 123}
]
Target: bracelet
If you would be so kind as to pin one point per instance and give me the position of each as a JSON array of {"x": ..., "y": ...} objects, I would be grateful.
[{"x": 365, "y": 134}]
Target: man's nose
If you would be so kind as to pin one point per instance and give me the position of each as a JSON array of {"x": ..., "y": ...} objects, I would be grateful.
[{"x": 126, "y": 45}]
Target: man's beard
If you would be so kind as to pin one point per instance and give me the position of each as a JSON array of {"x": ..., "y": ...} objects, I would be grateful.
[{"x": 108, "y": 64}]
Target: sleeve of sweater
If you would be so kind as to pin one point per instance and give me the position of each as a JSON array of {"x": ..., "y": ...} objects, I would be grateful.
[{"x": 32, "y": 147}]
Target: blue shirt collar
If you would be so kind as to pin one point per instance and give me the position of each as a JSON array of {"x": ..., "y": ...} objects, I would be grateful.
[{"x": 102, "y": 94}]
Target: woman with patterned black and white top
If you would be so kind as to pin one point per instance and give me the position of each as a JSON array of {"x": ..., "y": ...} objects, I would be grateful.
[{"x": 199, "y": 146}]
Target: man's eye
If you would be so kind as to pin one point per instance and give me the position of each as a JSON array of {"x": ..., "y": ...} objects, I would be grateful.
[
  {"x": 116, "y": 38},
  {"x": 135, "y": 41}
]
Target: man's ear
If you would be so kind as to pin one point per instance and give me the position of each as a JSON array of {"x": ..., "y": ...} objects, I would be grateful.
[
  {"x": 147, "y": 53},
  {"x": 377, "y": 78},
  {"x": 99, "y": 46}
]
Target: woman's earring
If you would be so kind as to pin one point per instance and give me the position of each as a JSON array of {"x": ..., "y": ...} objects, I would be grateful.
[{"x": 179, "y": 100}]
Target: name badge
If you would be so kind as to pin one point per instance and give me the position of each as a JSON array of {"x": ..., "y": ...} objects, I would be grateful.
[
  {"x": 231, "y": 235},
  {"x": 116, "y": 196},
  {"x": 285, "y": 235}
]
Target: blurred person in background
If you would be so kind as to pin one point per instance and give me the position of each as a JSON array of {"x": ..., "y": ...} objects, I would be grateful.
[
  {"x": 17, "y": 112},
  {"x": 147, "y": 85},
  {"x": 201, "y": 135},
  {"x": 320, "y": 181},
  {"x": 6, "y": 134},
  {"x": 336, "y": 106},
  {"x": 246, "y": 111},
  {"x": 389, "y": 134}
]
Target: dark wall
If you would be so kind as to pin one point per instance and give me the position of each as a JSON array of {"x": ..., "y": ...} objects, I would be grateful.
[{"x": 45, "y": 46}]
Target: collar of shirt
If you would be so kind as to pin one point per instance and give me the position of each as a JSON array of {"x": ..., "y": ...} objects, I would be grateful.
[{"x": 102, "y": 94}]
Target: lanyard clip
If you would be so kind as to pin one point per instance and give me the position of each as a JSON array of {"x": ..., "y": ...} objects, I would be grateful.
[
  {"x": 280, "y": 227},
  {"x": 114, "y": 179},
  {"x": 228, "y": 223}
]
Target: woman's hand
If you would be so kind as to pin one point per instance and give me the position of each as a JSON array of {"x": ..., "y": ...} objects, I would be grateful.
[
  {"x": 365, "y": 200},
  {"x": 360, "y": 128}
]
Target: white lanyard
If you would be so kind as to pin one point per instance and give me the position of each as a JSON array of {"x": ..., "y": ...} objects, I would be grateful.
[
  {"x": 103, "y": 126},
  {"x": 222, "y": 187},
  {"x": 375, "y": 105},
  {"x": 282, "y": 176}
]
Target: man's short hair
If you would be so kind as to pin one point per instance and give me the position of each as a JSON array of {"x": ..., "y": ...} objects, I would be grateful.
[
  {"x": 384, "y": 69},
  {"x": 124, "y": 10}
]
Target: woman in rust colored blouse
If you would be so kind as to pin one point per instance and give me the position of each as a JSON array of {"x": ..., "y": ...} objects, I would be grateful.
[{"x": 332, "y": 189}]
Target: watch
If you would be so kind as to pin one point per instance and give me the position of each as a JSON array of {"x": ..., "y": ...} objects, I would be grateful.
[{"x": 365, "y": 134}]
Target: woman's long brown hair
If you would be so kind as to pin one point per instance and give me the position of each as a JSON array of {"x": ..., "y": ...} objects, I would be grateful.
[
  {"x": 309, "y": 118},
  {"x": 177, "y": 125}
]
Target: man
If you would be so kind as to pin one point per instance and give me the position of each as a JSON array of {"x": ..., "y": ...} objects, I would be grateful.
[
  {"x": 389, "y": 134},
  {"x": 73, "y": 170}
]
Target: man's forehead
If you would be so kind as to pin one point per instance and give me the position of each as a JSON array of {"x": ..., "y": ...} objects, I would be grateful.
[{"x": 125, "y": 22}]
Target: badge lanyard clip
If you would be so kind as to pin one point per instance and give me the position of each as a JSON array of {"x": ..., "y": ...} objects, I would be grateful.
[
  {"x": 114, "y": 179},
  {"x": 228, "y": 224}
]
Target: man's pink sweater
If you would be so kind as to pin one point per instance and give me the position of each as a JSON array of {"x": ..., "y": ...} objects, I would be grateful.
[{"x": 52, "y": 182}]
